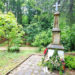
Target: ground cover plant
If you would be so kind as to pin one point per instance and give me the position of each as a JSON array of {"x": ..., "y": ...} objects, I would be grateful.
[{"x": 70, "y": 62}]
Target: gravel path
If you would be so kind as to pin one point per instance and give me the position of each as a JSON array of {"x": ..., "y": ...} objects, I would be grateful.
[{"x": 30, "y": 67}]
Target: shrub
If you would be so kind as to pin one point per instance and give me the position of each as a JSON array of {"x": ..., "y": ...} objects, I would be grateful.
[
  {"x": 68, "y": 37},
  {"x": 41, "y": 48},
  {"x": 31, "y": 31},
  {"x": 65, "y": 37},
  {"x": 43, "y": 38},
  {"x": 14, "y": 49},
  {"x": 10, "y": 30},
  {"x": 70, "y": 62}
]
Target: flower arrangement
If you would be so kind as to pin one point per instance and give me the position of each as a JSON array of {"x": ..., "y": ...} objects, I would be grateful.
[{"x": 54, "y": 62}]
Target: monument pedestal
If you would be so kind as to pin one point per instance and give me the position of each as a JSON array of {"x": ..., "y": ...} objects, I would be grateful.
[{"x": 51, "y": 52}]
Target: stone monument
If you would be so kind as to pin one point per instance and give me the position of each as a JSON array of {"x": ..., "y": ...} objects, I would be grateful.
[{"x": 56, "y": 45}]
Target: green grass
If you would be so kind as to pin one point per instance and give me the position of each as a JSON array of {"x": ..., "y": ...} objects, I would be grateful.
[{"x": 10, "y": 60}]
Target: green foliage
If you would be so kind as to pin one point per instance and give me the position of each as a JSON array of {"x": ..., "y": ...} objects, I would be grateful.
[
  {"x": 25, "y": 19},
  {"x": 70, "y": 62},
  {"x": 31, "y": 30},
  {"x": 60, "y": 72},
  {"x": 73, "y": 35},
  {"x": 45, "y": 20},
  {"x": 1, "y": 5},
  {"x": 68, "y": 37},
  {"x": 41, "y": 48},
  {"x": 43, "y": 38},
  {"x": 14, "y": 49},
  {"x": 10, "y": 29},
  {"x": 65, "y": 37},
  {"x": 38, "y": 22},
  {"x": 31, "y": 11},
  {"x": 37, "y": 26}
]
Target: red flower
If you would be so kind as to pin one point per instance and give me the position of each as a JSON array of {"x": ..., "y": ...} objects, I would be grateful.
[
  {"x": 45, "y": 51},
  {"x": 63, "y": 63}
]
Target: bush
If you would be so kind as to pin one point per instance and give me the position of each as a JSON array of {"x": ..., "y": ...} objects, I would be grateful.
[
  {"x": 70, "y": 62},
  {"x": 65, "y": 37},
  {"x": 68, "y": 37},
  {"x": 42, "y": 39},
  {"x": 14, "y": 49},
  {"x": 31, "y": 30},
  {"x": 10, "y": 30},
  {"x": 41, "y": 48}
]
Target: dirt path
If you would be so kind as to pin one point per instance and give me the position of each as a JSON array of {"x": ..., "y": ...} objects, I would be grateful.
[{"x": 21, "y": 48}]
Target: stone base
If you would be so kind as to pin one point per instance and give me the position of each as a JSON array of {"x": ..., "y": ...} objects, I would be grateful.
[
  {"x": 58, "y": 47},
  {"x": 53, "y": 47},
  {"x": 51, "y": 52}
]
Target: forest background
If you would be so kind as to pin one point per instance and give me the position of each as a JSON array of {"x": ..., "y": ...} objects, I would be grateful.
[{"x": 36, "y": 18}]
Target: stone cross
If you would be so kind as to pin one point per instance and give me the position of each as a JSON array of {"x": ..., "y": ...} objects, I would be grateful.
[
  {"x": 56, "y": 6},
  {"x": 56, "y": 36}
]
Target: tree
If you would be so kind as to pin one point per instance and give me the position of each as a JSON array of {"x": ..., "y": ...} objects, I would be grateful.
[
  {"x": 1, "y": 5},
  {"x": 10, "y": 30}
]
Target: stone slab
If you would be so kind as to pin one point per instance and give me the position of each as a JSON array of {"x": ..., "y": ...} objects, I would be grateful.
[{"x": 52, "y": 46}]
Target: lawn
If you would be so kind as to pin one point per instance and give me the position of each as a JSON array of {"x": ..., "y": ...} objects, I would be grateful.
[{"x": 9, "y": 60}]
